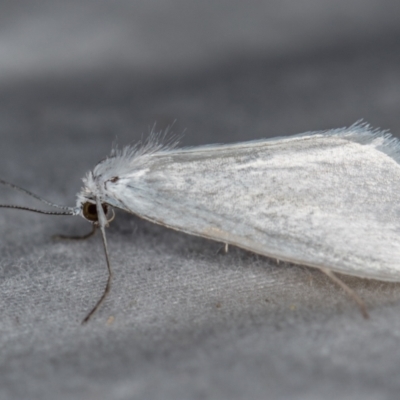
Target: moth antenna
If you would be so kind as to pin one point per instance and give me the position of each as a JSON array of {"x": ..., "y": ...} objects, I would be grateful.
[
  {"x": 35, "y": 196},
  {"x": 348, "y": 290},
  {"x": 102, "y": 224},
  {"x": 69, "y": 211}
]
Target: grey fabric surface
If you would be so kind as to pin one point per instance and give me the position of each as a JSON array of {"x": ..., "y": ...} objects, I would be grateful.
[{"x": 184, "y": 321}]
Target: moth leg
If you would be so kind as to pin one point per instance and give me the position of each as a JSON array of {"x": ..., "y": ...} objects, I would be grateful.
[
  {"x": 224, "y": 249},
  {"x": 83, "y": 237},
  {"x": 102, "y": 222},
  {"x": 349, "y": 291},
  {"x": 112, "y": 217}
]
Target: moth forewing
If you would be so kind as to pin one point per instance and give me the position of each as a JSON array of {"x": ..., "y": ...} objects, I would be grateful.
[{"x": 328, "y": 200}]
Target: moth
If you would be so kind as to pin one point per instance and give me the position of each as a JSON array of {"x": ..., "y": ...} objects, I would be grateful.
[{"x": 328, "y": 200}]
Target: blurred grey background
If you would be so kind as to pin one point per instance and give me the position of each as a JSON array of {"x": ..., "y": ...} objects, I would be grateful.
[
  {"x": 175, "y": 36},
  {"x": 183, "y": 321}
]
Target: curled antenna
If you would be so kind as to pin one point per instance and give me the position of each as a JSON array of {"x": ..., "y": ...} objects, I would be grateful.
[{"x": 68, "y": 210}]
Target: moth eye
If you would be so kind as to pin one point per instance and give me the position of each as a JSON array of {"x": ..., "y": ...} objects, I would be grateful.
[
  {"x": 89, "y": 211},
  {"x": 114, "y": 179}
]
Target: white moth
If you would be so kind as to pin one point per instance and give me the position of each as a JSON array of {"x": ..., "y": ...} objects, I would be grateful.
[{"x": 329, "y": 200}]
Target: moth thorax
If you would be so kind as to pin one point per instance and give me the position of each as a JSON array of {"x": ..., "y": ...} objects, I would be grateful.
[{"x": 89, "y": 211}]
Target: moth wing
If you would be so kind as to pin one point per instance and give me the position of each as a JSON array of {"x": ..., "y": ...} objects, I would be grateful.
[{"x": 328, "y": 200}]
